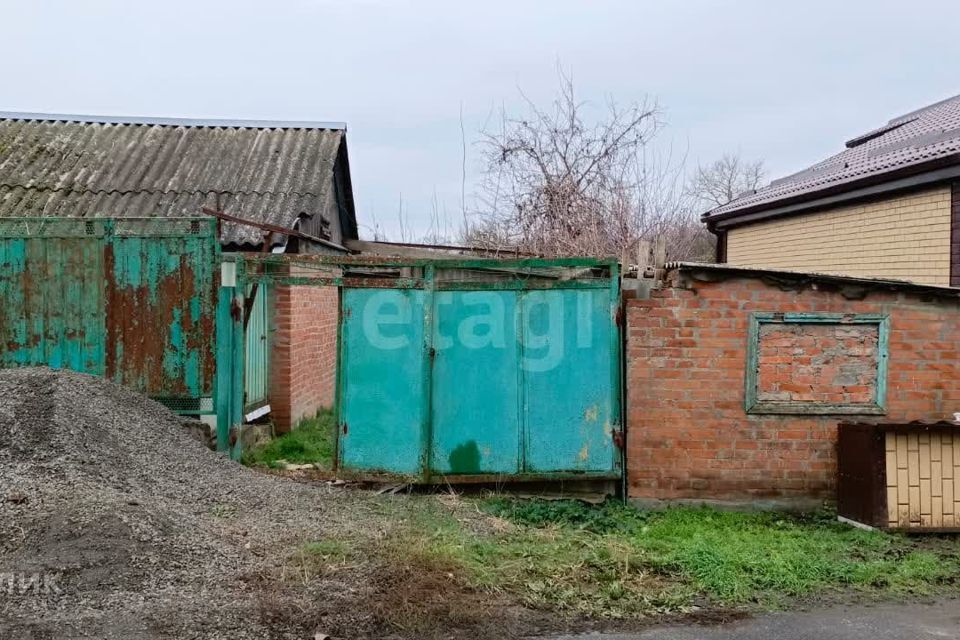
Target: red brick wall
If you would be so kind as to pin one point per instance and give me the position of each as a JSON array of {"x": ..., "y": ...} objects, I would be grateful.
[
  {"x": 303, "y": 363},
  {"x": 822, "y": 363},
  {"x": 689, "y": 436}
]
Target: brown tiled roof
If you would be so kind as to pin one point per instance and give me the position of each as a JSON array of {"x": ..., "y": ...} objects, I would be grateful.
[{"x": 928, "y": 136}]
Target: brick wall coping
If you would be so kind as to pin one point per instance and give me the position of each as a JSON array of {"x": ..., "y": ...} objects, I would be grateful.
[{"x": 854, "y": 288}]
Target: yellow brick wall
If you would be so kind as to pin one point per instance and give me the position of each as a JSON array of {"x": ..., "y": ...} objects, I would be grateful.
[
  {"x": 923, "y": 479},
  {"x": 906, "y": 238}
]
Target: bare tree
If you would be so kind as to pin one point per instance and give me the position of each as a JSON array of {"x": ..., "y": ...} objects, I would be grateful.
[
  {"x": 710, "y": 186},
  {"x": 723, "y": 180},
  {"x": 556, "y": 184}
]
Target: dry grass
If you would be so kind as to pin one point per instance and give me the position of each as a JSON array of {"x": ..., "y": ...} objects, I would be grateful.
[{"x": 444, "y": 566}]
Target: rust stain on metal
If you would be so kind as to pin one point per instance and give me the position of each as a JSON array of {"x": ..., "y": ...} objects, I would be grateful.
[
  {"x": 618, "y": 439},
  {"x": 139, "y": 331}
]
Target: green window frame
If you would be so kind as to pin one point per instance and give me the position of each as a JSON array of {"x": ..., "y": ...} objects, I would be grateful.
[{"x": 755, "y": 406}]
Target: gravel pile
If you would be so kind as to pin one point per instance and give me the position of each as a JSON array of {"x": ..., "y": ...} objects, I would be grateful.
[{"x": 133, "y": 527}]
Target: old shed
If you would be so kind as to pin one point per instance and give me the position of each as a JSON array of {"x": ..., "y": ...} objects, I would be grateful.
[{"x": 280, "y": 175}]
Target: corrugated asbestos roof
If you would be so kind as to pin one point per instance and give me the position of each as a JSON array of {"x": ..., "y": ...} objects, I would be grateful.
[
  {"x": 87, "y": 166},
  {"x": 930, "y": 134}
]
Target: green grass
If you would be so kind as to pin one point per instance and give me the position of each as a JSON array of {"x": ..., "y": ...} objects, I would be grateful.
[
  {"x": 311, "y": 442},
  {"x": 615, "y": 561}
]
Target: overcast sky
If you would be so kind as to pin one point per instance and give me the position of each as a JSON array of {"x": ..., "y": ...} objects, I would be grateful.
[{"x": 785, "y": 82}]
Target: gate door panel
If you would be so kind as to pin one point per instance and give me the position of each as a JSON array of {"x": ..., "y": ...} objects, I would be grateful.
[
  {"x": 476, "y": 384},
  {"x": 383, "y": 381},
  {"x": 567, "y": 360}
]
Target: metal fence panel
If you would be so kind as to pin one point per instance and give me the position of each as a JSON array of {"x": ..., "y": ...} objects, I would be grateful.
[
  {"x": 382, "y": 364},
  {"x": 476, "y": 384},
  {"x": 131, "y": 299},
  {"x": 52, "y": 302},
  {"x": 568, "y": 403}
]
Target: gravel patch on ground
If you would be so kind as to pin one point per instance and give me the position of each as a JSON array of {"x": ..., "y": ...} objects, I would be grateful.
[{"x": 141, "y": 532}]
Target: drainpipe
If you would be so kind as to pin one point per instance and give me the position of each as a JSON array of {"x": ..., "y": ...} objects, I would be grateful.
[{"x": 720, "y": 256}]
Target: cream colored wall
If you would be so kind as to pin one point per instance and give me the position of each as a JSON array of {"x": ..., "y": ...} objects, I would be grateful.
[
  {"x": 905, "y": 238},
  {"x": 923, "y": 479}
]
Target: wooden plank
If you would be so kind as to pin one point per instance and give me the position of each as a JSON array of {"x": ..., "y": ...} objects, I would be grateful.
[
  {"x": 915, "y": 511},
  {"x": 901, "y": 451},
  {"x": 903, "y": 487},
  {"x": 935, "y": 447},
  {"x": 913, "y": 468},
  {"x": 890, "y": 441},
  {"x": 956, "y": 494},
  {"x": 948, "y": 496},
  {"x": 947, "y": 454},
  {"x": 926, "y": 499},
  {"x": 903, "y": 515},
  {"x": 936, "y": 479},
  {"x": 924, "y": 453},
  {"x": 936, "y": 512},
  {"x": 892, "y": 506},
  {"x": 891, "y": 469}
]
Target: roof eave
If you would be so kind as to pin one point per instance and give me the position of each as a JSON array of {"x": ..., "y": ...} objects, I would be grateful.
[
  {"x": 912, "y": 176},
  {"x": 224, "y": 123}
]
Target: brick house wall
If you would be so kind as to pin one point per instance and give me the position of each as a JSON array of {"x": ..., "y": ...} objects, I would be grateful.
[
  {"x": 303, "y": 359},
  {"x": 905, "y": 237},
  {"x": 689, "y": 434}
]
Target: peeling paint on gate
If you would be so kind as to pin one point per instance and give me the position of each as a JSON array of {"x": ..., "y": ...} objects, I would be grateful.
[{"x": 133, "y": 300}]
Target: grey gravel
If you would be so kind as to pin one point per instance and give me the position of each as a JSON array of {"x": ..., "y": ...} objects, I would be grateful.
[{"x": 140, "y": 530}]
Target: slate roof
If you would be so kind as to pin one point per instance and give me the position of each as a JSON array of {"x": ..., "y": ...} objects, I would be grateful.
[
  {"x": 914, "y": 142},
  {"x": 53, "y": 165}
]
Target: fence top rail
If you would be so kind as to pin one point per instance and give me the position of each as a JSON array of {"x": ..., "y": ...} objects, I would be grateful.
[{"x": 436, "y": 263}]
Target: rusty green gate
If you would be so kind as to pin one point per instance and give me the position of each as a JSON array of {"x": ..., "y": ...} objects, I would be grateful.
[
  {"x": 472, "y": 369},
  {"x": 131, "y": 299},
  {"x": 482, "y": 370}
]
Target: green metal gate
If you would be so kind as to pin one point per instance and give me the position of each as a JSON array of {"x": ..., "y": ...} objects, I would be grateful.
[
  {"x": 132, "y": 299},
  {"x": 482, "y": 370}
]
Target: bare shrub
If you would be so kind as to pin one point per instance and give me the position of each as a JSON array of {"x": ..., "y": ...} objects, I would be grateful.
[{"x": 558, "y": 182}]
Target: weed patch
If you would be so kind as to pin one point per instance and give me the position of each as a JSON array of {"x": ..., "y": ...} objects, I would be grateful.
[
  {"x": 438, "y": 566},
  {"x": 312, "y": 442},
  {"x": 740, "y": 558},
  {"x": 566, "y": 568}
]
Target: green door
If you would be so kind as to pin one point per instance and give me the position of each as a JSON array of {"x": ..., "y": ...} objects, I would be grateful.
[
  {"x": 382, "y": 356},
  {"x": 567, "y": 368},
  {"x": 476, "y": 384}
]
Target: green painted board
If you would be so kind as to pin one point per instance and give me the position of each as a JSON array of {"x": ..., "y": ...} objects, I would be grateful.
[
  {"x": 476, "y": 384},
  {"x": 568, "y": 411},
  {"x": 130, "y": 299},
  {"x": 382, "y": 387}
]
